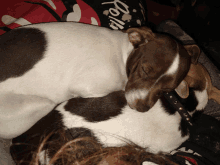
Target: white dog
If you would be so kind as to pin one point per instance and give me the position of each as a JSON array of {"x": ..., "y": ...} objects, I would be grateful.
[
  {"x": 112, "y": 123},
  {"x": 45, "y": 64}
]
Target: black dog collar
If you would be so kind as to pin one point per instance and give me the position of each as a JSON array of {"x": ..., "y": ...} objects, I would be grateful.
[{"x": 171, "y": 98}]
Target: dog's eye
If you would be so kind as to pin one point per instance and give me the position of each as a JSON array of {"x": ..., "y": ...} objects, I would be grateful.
[
  {"x": 146, "y": 70},
  {"x": 134, "y": 68}
]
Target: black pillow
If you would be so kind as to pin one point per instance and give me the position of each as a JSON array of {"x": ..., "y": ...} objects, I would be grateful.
[{"x": 114, "y": 14}]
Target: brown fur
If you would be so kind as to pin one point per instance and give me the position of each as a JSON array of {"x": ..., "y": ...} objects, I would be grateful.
[
  {"x": 198, "y": 77},
  {"x": 76, "y": 152},
  {"x": 152, "y": 56}
]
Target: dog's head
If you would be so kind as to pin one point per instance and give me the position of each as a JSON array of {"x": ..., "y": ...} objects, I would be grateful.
[{"x": 157, "y": 64}]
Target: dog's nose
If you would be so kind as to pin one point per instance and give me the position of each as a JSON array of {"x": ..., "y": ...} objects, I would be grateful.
[
  {"x": 143, "y": 108},
  {"x": 140, "y": 107}
]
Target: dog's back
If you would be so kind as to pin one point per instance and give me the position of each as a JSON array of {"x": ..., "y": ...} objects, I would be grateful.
[{"x": 112, "y": 123}]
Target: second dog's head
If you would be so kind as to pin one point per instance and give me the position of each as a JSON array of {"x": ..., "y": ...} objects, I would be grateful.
[{"x": 157, "y": 64}]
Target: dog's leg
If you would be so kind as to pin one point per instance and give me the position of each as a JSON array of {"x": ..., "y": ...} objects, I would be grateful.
[
  {"x": 214, "y": 94},
  {"x": 18, "y": 113}
]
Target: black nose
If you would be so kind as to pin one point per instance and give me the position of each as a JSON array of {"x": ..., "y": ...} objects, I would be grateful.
[
  {"x": 140, "y": 107},
  {"x": 143, "y": 109}
]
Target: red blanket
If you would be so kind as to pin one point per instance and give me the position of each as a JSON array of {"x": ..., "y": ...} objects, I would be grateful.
[{"x": 115, "y": 14}]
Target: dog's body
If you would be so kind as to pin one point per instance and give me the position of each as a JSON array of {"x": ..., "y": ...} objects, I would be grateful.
[
  {"x": 62, "y": 58},
  {"x": 113, "y": 123},
  {"x": 45, "y": 64}
]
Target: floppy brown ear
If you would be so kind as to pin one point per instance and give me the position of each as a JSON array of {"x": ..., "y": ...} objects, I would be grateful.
[
  {"x": 183, "y": 89},
  {"x": 139, "y": 35},
  {"x": 194, "y": 52}
]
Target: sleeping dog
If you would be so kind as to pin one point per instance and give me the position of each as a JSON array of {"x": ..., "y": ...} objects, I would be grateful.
[
  {"x": 45, "y": 64},
  {"x": 112, "y": 122}
]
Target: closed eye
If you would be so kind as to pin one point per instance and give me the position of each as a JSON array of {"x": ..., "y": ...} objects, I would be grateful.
[
  {"x": 147, "y": 70},
  {"x": 143, "y": 69},
  {"x": 134, "y": 68}
]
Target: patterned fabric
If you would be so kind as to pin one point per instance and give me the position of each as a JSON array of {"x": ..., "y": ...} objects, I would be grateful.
[
  {"x": 114, "y": 14},
  {"x": 203, "y": 146}
]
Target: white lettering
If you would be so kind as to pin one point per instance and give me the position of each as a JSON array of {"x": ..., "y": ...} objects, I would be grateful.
[
  {"x": 114, "y": 12},
  {"x": 119, "y": 21},
  {"x": 118, "y": 25},
  {"x": 116, "y": 2},
  {"x": 119, "y": 7}
]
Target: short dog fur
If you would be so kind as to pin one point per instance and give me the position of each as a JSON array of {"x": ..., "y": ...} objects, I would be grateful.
[
  {"x": 45, "y": 64},
  {"x": 112, "y": 122}
]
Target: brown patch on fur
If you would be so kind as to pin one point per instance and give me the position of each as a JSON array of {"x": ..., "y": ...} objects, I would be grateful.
[
  {"x": 198, "y": 77},
  {"x": 16, "y": 48},
  {"x": 149, "y": 61}
]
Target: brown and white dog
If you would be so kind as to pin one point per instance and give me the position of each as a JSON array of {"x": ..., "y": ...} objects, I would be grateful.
[
  {"x": 45, "y": 64},
  {"x": 111, "y": 122}
]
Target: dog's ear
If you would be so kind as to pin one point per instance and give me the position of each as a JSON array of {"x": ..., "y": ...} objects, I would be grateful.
[
  {"x": 138, "y": 36},
  {"x": 183, "y": 89},
  {"x": 194, "y": 52}
]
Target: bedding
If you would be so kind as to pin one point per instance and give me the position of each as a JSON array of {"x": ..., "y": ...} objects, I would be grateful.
[{"x": 114, "y": 14}]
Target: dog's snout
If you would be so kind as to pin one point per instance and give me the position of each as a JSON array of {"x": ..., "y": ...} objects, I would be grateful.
[
  {"x": 140, "y": 106},
  {"x": 135, "y": 96},
  {"x": 143, "y": 108}
]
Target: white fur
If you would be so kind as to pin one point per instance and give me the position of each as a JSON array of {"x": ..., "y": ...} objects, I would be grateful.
[
  {"x": 171, "y": 70},
  {"x": 44, "y": 158},
  {"x": 80, "y": 60},
  {"x": 175, "y": 65},
  {"x": 91, "y": 66},
  {"x": 202, "y": 99},
  {"x": 136, "y": 94},
  {"x": 154, "y": 129}
]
